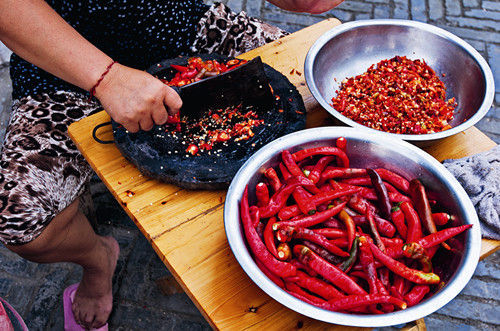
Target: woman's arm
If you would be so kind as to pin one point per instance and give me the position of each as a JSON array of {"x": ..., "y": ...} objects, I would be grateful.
[
  {"x": 306, "y": 6},
  {"x": 39, "y": 35}
]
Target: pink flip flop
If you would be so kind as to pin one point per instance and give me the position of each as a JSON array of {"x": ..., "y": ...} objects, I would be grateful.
[{"x": 69, "y": 319}]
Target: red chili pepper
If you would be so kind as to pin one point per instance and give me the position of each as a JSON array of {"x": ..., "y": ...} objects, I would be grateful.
[
  {"x": 340, "y": 242},
  {"x": 315, "y": 173},
  {"x": 392, "y": 241},
  {"x": 330, "y": 272},
  {"x": 384, "y": 227},
  {"x": 341, "y": 143},
  {"x": 274, "y": 180},
  {"x": 297, "y": 292},
  {"x": 419, "y": 198},
  {"x": 360, "y": 204},
  {"x": 175, "y": 119},
  {"x": 284, "y": 252},
  {"x": 269, "y": 237},
  {"x": 442, "y": 218},
  {"x": 189, "y": 74},
  {"x": 399, "y": 268},
  {"x": 277, "y": 201},
  {"x": 366, "y": 181},
  {"x": 301, "y": 266},
  {"x": 399, "y": 182},
  {"x": 318, "y": 199},
  {"x": 179, "y": 68},
  {"x": 353, "y": 255},
  {"x": 414, "y": 228},
  {"x": 331, "y": 233},
  {"x": 440, "y": 236},
  {"x": 262, "y": 193},
  {"x": 373, "y": 228},
  {"x": 304, "y": 182},
  {"x": 317, "y": 218},
  {"x": 368, "y": 264},
  {"x": 307, "y": 234},
  {"x": 323, "y": 253},
  {"x": 371, "y": 194},
  {"x": 304, "y": 201},
  {"x": 332, "y": 172},
  {"x": 281, "y": 269},
  {"x": 398, "y": 218},
  {"x": 417, "y": 252},
  {"x": 294, "y": 288},
  {"x": 290, "y": 164},
  {"x": 255, "y": 215},
  {"x": 349, "y": 225},
  {"x": 354, "y": 301},
  {"x": 399, "y": 284},
  {"x": 416, "y": 294},
  {"x": 325, "y": 150},
  {"x": 260, "y": 229},
  {"x": 284, "y": 172},
  {"x": 381, "y": 192},
  {"x": 395, "y": 293},
  {"x": 334, "y": 223},
  {"x": 317, "y": 286},
  {"x": 275, "y": 279}
]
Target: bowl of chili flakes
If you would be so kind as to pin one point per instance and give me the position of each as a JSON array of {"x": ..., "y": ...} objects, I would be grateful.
[{"x": 407, "y": 79}]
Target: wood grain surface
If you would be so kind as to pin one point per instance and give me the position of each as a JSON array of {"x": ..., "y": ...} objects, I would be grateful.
[{"x": 186, "y": 227}]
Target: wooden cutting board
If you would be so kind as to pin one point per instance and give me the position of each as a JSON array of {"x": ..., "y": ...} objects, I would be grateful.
[{"x": 186, "y": 227}]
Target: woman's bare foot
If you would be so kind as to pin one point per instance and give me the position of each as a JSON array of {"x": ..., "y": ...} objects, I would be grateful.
[{"x": 94, "y": 299}]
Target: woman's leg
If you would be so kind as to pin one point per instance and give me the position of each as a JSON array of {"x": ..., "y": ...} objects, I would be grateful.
[
  {"x": 41, "y": 176},
  {"x": 70, "y": 238}
]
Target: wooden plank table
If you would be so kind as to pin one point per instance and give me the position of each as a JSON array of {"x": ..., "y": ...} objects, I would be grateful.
[{"x": 186, "y": 228}]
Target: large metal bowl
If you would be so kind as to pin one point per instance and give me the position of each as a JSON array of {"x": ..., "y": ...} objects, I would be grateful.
[
  {"x": 349, "y": 49},
  {"x": 365, "y": 149}
]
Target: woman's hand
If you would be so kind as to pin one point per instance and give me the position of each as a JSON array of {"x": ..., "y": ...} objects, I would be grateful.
[
  {"x": 306, "y": 6},
  {"x": 135, "y": 99}
]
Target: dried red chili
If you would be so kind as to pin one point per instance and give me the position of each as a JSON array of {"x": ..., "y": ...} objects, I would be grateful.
[{"x": 398, "y": 95}]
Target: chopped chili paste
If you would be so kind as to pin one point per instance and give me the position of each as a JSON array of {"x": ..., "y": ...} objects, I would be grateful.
[
  {"x": 216, "y": 126},
  {"x": 398, "y": 95}
]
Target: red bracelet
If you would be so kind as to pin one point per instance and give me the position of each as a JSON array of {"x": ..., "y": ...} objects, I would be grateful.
[{"x": 92, "y": 90}]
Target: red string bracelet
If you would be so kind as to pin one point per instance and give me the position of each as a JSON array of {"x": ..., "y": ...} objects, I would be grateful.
[{"x": 92, "y": 90}]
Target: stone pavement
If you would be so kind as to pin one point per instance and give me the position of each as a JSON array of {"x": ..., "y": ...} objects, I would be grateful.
[{"x": 36, "y": 290}]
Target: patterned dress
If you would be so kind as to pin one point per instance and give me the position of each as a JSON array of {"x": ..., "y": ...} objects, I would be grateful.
[{"x": 41, "y": 170}]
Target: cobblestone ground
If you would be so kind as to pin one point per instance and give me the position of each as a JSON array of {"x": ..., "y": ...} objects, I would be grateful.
[{"x": 36, "y": 290}]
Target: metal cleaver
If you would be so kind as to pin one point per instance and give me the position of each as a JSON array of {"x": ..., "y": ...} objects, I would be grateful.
[{"x": 246, "y": 84}]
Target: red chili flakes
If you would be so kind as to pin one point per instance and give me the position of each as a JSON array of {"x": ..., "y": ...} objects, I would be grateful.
[
  {"x": 398, "y": 95},
  {"x": 292, "y": 71},
  {"x": 217, "y": 126},
  {"x": 192, "y": 149}
]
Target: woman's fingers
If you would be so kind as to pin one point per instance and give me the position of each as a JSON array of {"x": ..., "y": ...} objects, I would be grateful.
[
  {"x": 172, "y": 101},
  {"x": 146, "y": 123}
]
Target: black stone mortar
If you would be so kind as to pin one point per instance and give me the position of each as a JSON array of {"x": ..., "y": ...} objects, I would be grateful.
[{"x": 158, "y": 155}]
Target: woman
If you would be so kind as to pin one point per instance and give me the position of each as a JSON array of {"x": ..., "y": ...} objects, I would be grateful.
[{"x": 101, "y": 47}]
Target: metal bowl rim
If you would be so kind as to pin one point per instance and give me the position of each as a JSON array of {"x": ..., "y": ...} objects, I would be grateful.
[
  {"x": 345, "y": 27},
  {"x": 237, "y": 244}
]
